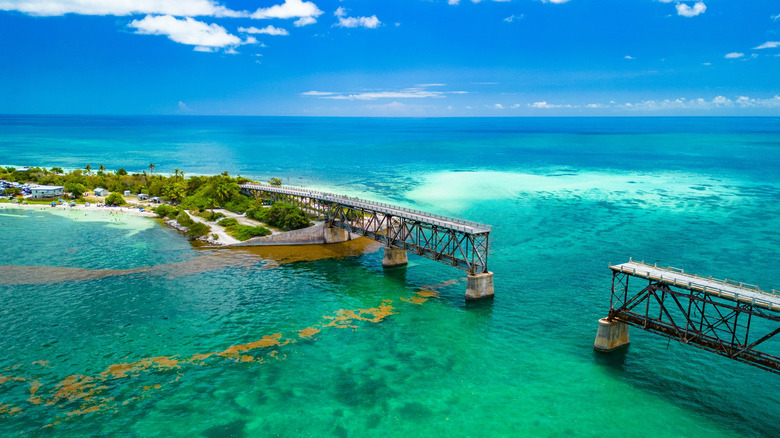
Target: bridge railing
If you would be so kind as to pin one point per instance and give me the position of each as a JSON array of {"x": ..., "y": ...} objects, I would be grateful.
[
  {"x": 723, "y": 293},
  {"x": 300, "y": 191}
]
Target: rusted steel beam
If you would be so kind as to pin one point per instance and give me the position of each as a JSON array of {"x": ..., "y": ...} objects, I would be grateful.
[{"x": 710, "y": 322}]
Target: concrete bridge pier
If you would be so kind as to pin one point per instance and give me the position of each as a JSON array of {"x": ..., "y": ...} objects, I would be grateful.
[
  {"x": 394, "y": 256},
  {"x": 611, "y": 335},
  {"x": 480, "y": 286},
  {"x": 335, "y": 235}
]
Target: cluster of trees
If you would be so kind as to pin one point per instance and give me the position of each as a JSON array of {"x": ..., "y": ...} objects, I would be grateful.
[
  {"x": 196, "y": 193},
  {"x": 280, "y": 215},
  {"x": 194, "y": 229}
]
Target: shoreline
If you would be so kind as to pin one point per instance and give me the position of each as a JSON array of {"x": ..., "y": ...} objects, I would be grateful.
[
  {"x": 224, "y": 240},
  {"x": 80, "y": 207}
]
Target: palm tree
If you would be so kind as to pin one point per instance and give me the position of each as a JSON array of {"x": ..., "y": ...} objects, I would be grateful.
[
  {"x": 176, "y": 173},
  {"x": 101, "y": 168},
  {"x": 151, "y": 168},
  {"x": 88, "y": 168}
]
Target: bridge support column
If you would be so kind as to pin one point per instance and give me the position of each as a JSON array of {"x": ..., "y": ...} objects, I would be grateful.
[
  {"x": 479, "y": 286},
  {"x": 394, "y": 257},
  {"x": 611, "y": 335},
  {"x": 335, "y": 235}
]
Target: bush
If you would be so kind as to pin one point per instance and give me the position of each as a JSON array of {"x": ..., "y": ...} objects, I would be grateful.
[
  {"x": 166, "y": 210},
  {"x": 210, "y": 215},
  {"x": 244, "y": 232},
  {"x": 229, "y": 222},
  {"x": 258, "y": 214},
  {"x": 213, "y": 217},
  {"x": 198, "y": 229},
  {"x": 115, "y": 199},
  {"x": 238, "y": 203},
  {"x": 184, "y": 219}
]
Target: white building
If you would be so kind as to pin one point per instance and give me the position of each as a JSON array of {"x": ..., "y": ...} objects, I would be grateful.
[
  {"x": 37, "y": 191},
  {"x": 101, "y": 192}
]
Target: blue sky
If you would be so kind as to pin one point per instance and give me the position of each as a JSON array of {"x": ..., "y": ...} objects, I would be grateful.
[{"x": 391, "y": 58}]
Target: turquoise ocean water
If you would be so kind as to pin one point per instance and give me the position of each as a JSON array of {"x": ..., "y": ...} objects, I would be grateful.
[{"x": 117, "y": 326}]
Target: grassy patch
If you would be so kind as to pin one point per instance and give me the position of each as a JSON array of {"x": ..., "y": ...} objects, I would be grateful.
[{"x": 242, "y": 232}]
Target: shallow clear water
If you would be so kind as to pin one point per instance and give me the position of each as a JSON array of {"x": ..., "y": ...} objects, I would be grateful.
[{"x": 117, "y": 326}]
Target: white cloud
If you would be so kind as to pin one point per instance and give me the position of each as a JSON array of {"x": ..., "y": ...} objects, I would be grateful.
[
  {"x": 734, "y": 55},
  {"x": 368, "y": 22},
  {"x": 718, "y": 102},
  {"x": 721, "y": 100},
  {"x": 515, "y": 106},
  {"x": 183, "y": 106},
  {"x": 775, "y": 17},
  {"x": 687, "y": 11},
  {"x": 498, "y": 106},
  {"x": 189, "y": 8},
  {"x": 544, "y": 105},
  {"x": 318, "y": 93},
  {"x": 768, "y": 45},
  {"x": 628, "y": 57},
  {"x": 305, "y": 21},
  {"x": 206, "y": 37},
  {"x": 513, "y": 17},
  {"x": 555, "y": 1},
  {"x": 453, "y": 2},
  {"x": 268, "y": 30},
  {"x": 289, "y": 9},
  {"x": 408, "y": 93}
]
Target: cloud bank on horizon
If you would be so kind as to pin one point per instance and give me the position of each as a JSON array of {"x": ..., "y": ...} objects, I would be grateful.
[{"x": 499, "y": 57}]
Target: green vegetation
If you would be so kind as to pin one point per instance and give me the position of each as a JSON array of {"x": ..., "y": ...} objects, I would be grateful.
[
  {"x": 201, "y": 194},
  {"x": 184, "y": 219},
  {"x": 194, "y": 193},
  {"x": 198, "y": 229},
  {"x": 242, "y": 232},
  {"x": 115, "y": 199},
  {"x": 168, "y": 211},
  {"x": 229, "y": 222},
  {"x": 210, "y": 215},
  {"x": 283, "y": 216},
  {"x": 76, "y": 189}
]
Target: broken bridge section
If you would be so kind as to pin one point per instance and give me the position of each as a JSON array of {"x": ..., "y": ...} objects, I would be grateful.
[{"x": 729, "y": 318}]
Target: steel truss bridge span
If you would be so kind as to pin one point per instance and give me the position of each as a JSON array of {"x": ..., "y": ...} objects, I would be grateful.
[
  {"x": 452, "y": 241},
  {"x": 732, "y": 319}
]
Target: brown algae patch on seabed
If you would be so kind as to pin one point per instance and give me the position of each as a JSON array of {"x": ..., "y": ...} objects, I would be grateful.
[
  {"x": 244, "y": 257},
  {"x": 85, "y": 393},
  {"x": 309, "y": 253}
]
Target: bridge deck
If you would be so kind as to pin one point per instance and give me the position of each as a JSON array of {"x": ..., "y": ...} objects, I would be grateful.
[
  {"x": 726, "y": 289},
  {"x": 462, "y": 225}
]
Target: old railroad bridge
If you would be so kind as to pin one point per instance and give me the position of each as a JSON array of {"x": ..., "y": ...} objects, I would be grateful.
[
  {"x": 726, "y": 317},
  {"x": 455, "y": 242},
  {"x": 732, "y": 319}
]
